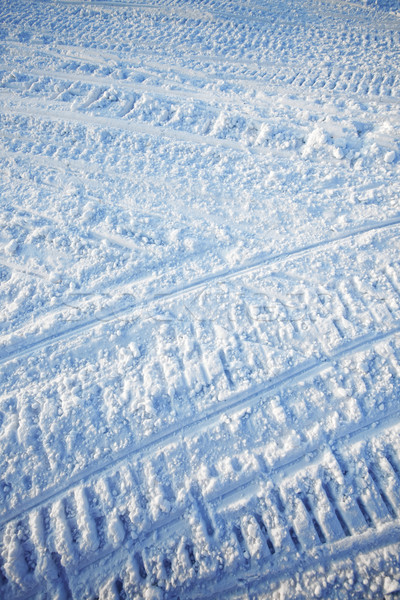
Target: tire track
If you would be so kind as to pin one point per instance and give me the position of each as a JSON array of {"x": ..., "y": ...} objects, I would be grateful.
[
  {"x": 247, "y": 398},
  {"x": 215, "y": 502},
  {"x": 165, "y": 527},
  {"x": 86, "y": 174},
  {"x": 231, "y": 99},
  {"x": 347, "y": 538},
  {"x": 205, "y": 15},
  {"x": 81, "y": 55},
  {"x": 115, "y": 313},
  {"x": 363, "y": 544},
  {"x": 328, "y": 541},
  {"x": 32, "y": 108},
  {"x": 180, "y": 92},
  {"x": 191, "y": 287},
  {"x": 306, "y": 459}
]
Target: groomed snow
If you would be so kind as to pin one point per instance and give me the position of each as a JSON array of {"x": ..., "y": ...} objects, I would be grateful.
[{"x": 200, "y": 299}]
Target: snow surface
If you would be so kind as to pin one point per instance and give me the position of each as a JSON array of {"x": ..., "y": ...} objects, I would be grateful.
[{"x": 200, "y": 299}]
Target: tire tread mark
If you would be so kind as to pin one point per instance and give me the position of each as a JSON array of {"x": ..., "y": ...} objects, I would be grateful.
[
  {"x": 196, "y": 493},
  {"x": 282, "y": 509},
  {"x": 27, "y": 546},
  {"x": 381, "y": 492},
  {"x": 314, "y": 521},
  {"x": 363, "y": 543},
  {"x": 97, "y": 515},
  {"x": 275, "y": 494},
  {"x": 242, "y": 545},
  {"x": 389, "y": 455},
  {"x": 189, "y": 548},
  {"x": 367, "y": 517},
  {"x": 264, "y": 531},
  {"x": 339, "y": 516},
  {"x": 62, "y": 574},
  {"x": 304, "y": 370},
  {"x": 140, "y": 564},
  {"x": 225, "y": 368}
]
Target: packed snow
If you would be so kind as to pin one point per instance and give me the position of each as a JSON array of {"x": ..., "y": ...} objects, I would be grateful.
[{"x": 200, "y": 299}]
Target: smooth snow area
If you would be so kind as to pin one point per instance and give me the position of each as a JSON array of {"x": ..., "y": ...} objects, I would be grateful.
[{"x": 200, "y": 299}]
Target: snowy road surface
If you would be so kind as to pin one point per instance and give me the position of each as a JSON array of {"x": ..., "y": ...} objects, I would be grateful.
[{"x": 200, "y": 299}]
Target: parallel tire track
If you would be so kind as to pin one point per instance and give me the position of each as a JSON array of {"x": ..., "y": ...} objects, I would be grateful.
[
  {"x": 229, "y": 451},
  {"x": 245, "y": 399},
  {"x": 342, "y": 526}
]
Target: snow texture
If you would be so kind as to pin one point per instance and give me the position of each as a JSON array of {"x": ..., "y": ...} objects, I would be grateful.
[{"x": 200, "y": 299}]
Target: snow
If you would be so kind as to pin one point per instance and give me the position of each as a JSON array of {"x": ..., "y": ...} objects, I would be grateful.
[{"x": 200, "y": 299}]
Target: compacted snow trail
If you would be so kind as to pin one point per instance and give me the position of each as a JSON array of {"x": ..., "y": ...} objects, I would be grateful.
[{"x": 200, "y": 299}]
